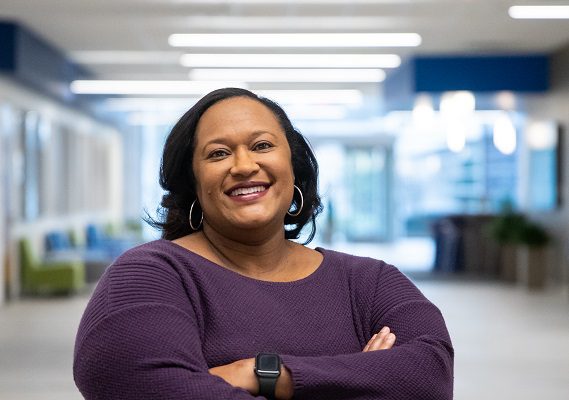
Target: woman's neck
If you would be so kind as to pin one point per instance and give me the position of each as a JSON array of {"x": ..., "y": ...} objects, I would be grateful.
[{"x": 262, "y": 256}]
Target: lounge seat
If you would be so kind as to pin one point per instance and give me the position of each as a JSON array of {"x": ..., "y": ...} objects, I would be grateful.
[{"x": 57, "y": 277}]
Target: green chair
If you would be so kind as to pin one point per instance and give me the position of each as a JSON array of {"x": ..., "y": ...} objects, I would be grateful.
[{"x": 56, "y": 277}]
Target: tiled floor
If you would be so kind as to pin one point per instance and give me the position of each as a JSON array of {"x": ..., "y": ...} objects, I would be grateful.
[{"x": 510, "y": 344}]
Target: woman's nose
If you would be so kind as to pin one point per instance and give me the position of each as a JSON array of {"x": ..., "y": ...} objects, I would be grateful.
[{"x": 244, "y": 164}]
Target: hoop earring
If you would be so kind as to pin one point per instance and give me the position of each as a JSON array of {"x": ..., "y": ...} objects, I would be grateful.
[
  {"x": 299, "y": 209},
  {"x": 190, "y": 217}
]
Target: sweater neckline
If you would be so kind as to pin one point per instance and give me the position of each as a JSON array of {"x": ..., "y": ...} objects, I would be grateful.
[{"x": 189, "y": 253}]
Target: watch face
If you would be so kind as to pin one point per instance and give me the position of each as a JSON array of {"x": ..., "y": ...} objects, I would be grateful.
[{"x": 268, "y": 363}]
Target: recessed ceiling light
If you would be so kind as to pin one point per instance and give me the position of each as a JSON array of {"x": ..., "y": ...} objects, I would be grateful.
[
  {"x": 291, "y": 60},
  {"x": 288, "y": 75},
  {"x": 539, "y": 12},
  {"x": 294, "y": 40}
]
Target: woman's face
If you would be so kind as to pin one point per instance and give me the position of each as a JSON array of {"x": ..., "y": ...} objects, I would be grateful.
[{"x": 242, "y": 165}]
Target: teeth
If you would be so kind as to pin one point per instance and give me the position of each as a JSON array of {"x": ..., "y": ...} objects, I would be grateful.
[{"x": 249, "y": 190}]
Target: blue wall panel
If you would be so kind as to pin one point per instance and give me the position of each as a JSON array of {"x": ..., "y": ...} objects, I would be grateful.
[
  {"x": 520, "y": 73},
  {"x": 7, "y": 47}
]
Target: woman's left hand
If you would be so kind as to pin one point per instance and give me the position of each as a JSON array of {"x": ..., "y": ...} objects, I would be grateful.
[
  {"x": 383, "y": 340},
  {"x": 241, "y": 374}
]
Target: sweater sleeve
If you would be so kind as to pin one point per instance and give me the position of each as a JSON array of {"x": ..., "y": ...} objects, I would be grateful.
[
  {"x": 139, "y": 339},
  {"x": 419, "y": 366}
]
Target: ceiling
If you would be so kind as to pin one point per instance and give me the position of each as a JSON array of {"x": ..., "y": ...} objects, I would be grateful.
[{"x": 79, "y": 27}]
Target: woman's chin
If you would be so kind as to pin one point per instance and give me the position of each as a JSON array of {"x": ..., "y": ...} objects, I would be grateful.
[{"x": 255, "y": 221}]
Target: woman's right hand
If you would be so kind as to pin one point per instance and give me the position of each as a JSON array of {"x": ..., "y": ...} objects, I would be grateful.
[{"x": 383, "y": 340}]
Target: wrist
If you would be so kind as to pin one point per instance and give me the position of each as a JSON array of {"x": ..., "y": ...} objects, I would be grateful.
[
  {"x": 274, "y": 380},
  {"x": 284, "y": 389},
  {"x": 249, "y": 382}
]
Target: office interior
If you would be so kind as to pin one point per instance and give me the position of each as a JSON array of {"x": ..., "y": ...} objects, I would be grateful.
[{"x": 440, "y": 128}]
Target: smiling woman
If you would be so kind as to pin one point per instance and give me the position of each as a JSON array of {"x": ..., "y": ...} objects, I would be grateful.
[
  {"x": 226, "y": 306},
  {"x": 209, "y": 127}
]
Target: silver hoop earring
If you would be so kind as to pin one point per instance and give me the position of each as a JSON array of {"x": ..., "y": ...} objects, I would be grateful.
[
  {"x": 299, "y": 209},
  {"x": 190, "y": 217}
]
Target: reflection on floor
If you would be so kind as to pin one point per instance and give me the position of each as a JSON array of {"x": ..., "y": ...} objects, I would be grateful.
[{"x": 510, "y": 344}]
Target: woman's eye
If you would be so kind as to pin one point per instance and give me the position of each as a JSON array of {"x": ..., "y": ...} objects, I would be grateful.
[
  {"x": 217, "y": 154},
  {"x": 262, "y": 146}
]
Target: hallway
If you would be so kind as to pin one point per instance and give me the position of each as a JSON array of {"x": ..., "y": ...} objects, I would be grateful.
[{"x": 509, "y": 343}]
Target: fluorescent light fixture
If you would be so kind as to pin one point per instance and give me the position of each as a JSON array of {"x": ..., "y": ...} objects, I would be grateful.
[
  {"x": 289, "y": 75},
  {"x": 291, "y": 60},
  {"x": 351, "y": 97},
  {"x": 294, "y": 40},
  {"x": 296, "y": 23},
  {"x": 126, "y": 57},
  {"x": 137, "y": 87},
  {"x": 125, "y": 104},
  {"x": 342, "y": 2},
  {"x": 539, "y": 12}
]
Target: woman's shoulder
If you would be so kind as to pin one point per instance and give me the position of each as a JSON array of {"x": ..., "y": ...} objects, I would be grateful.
[
  {"x": 160, "y": 250},
  {"x": 354, "y": 263},
  {"x": 363, "y": 271},
  {"x": 375, "y": 279}
]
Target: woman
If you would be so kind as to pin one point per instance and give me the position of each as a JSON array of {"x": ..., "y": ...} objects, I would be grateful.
[{"x": 225, "y": 306}]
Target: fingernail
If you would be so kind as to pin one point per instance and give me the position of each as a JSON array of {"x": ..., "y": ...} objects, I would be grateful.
[
  {"x": 384, "y": 329},
  {"x": 391, "y": 337},
  {"x": 374, "y": 336}
]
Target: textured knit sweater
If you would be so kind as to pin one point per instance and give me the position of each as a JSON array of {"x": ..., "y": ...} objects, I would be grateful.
[{"x": 161, "y": 316}]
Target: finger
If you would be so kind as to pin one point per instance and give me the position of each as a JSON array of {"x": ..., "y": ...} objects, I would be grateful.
[
  {"x": 388, "y": 342},
  {"x": 366, "y": 348},
  {"x": 379, "y": 340}
]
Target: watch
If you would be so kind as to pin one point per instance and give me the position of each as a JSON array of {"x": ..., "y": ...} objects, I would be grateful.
[{"x": 268, "y": 370}]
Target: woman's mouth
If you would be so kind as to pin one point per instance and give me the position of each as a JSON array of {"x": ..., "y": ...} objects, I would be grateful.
[{"x": 247, "y": 190}]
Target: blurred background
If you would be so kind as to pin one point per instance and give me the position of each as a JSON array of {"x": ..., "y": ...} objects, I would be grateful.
[{"x": 440, "y": 127}]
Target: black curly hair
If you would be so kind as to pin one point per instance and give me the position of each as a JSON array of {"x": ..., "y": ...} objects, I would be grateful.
[{"x": 178, "y": 180}]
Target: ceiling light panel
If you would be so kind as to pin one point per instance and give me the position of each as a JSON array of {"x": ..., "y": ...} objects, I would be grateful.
[
  {"x": 297, "y": 23},
  {"x": 351, "y": 97},
  {"x": 142, "y": 87},
  {"x": 357, "y": 40},
  {"x": 289, "y": 75},
  {"x": 308, "y": 2},
  {"x": 539, "y": 12},
  {"x": 126, "y": 57},
  {"x": 291, "y": 60}
]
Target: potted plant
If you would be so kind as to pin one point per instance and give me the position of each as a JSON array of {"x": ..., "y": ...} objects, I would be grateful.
[
  {"x": 532, "y": 255},
  {"x": 505, "y": 229}
]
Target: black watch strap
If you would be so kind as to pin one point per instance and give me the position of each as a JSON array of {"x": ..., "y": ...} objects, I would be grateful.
[
  {"x": 268, "y": 370},
  {"x": 267, "y": 386}
]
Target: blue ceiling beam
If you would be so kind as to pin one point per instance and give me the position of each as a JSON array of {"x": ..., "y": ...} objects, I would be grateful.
[
  {"x": 479, "y": 74},
  {"x": 34, "y": 62}
]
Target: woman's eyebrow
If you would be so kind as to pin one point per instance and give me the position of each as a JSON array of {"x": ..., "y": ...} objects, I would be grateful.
[{"x": 226, "y": 140}]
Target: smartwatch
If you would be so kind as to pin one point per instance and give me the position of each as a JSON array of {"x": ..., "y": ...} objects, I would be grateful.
[{"x": 268, "y": 370}]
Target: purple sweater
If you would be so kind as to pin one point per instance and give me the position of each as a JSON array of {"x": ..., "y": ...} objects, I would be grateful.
[{"x": 162, "y": 315}]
